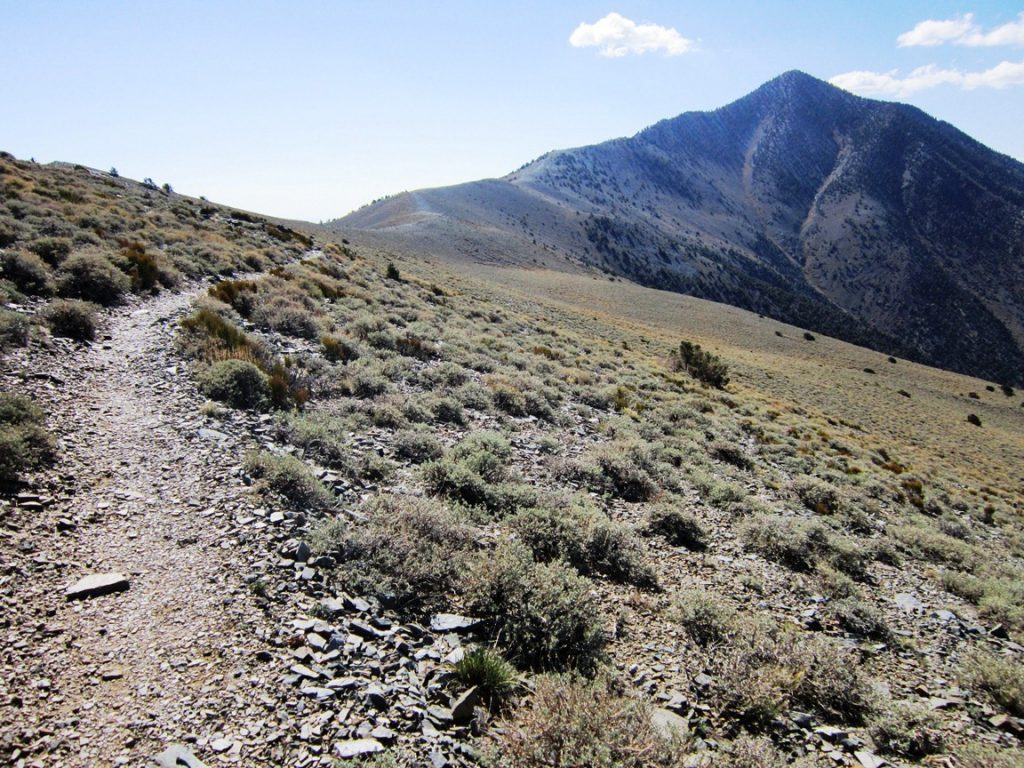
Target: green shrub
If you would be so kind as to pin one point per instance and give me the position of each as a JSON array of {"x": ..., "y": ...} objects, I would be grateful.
[
  {"x": 544, "y": 614},
  {"x": 817, "y": 495},
  {"x": 767, "y": 670},
  {"x": 238, "y": 383},
  {"x": 323, "y": 437},
  {"x": 14, "y": 329},
  {"x": 238, "y": 294},
  {"x": 475, "y": 472},
  {"x": 339, "y": 350},
  {"x": 707, "y": 619},
  {"x": 571, "y": 722},
  {"x": 52, "y": 249},
  {"x": 291, "y": 478},
  {"x": 676, "y": 526},
  {"x": 861, "y": 619},
  {"x": 410, "y": 552},
  {"x": 29, "y": 273},
  {"x": 801, "y": 544},
  {"x": 71, "y": 319},
  {"x": 1002, "y": 678},
  {"x": 283, "y": 314},
  {"x": 90, "y": 276},
  {"x": 907, "y": 730},
  {"x": 25, "y": 444},
  {"x": 701, "y": 365},
  {"x": 585, "y": 540},
  {"x": 620, "y": 470},
  {"x": 486, "y": 670},
  {"x": 417, "y": 447}
]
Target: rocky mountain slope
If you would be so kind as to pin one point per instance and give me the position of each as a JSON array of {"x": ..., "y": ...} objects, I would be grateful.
[
  {"x": 867, "y": 220},
  {"x": 338, "y": 506}
]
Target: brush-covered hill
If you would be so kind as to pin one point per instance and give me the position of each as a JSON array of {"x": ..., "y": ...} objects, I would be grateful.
[
  {"x": 339, "y": 505},
  {"x": 867, "y": 220}
]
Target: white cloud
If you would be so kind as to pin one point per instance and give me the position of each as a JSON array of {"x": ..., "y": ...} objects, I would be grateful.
[
  {"x": 933, "y": 32},
  {"x": 963, "y": 31},
  {"x": 864, "y": 83},
  {"x": 617, "y": 36}
]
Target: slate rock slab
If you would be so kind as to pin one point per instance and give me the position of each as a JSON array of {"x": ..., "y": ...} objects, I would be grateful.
[
  {"x": 450, "y": 622},
  {"x": 357, "y": 747},
  {"x": 97, "y": 584},
  {"x": 177, "y": 756}
]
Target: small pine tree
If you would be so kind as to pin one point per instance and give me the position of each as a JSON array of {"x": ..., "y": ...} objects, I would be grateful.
[
  {"x": 701, "y": 365},
  {"x": 392, "y": 273}
]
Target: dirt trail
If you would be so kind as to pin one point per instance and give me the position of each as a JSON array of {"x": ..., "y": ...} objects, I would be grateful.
[{"x": 144, "y": 489}]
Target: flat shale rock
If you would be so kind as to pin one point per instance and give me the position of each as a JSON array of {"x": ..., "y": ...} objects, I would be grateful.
[
  {"x": 97, "y": 584},
  {"x": 357, "y": 747},
  {"x": 177, "y": 756}
]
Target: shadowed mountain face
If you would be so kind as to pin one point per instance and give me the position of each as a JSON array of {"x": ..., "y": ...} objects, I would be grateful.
[{"x": 865, "y": 220}]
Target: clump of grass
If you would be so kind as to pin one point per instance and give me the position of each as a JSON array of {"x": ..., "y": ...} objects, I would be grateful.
[
  {"x": 25, "y": 444},
  {"x": 543, "y": 614},
  {"x": 487, "y": 670},
  {"x": 677, "y": 526},
  {"x": 323, "y": 437},
  {"x": 339, "y": 350},
  {"x": 291, "y": 478},
  {"x": 622, "y": 470},
  {"x": 71, "y": 319},
  {"x": 238, "y": 383},
  {"x": 571, "y": 722}
]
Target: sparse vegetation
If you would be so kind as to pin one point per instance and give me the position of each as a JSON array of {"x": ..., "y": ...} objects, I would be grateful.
[
  {"x": 290, "y": 478},
  {"x": 24, "y": 442}
]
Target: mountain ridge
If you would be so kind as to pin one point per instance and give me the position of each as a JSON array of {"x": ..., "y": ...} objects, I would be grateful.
[{"x": 867, "y": 220}]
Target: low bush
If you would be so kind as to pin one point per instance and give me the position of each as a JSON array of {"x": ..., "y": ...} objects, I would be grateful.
[
  {"x": 586, "y": 540},
  {"x": 25, "y": 444},
  {"x": 907, "y": 730},
  {"x": 90, "y": 276},
  {"x": 291, "y": 478},
  {"x": 571, "y": 722},
  {"x": 323, "y": 438},
  {"x": 29, "y": 273},
  {"x": 339, "y": 350},
  {"x": 71, "y": 319},
  {"x": 800, "y": 545},
  {"x": 14, "y": 329},
  {"x": 410, "y": 552},
  {"x": 707, "y": 619},
  {"x": 417, "y": 447},
  {"x": 1002, "y": 678},
  {"x": 676, "y": 526},
  {"x": 861, "y": 619},
  {"x": 817, "y": 495},
  {"x": 620, "y": 470},
  {"x": 52, "y": 249},
  {"x": 282, "y": 314},
  {"x": 767, "y": 670},
  {"x": 238, "y": 383},
  {"x": 544, "y": 614},
  {"x": 475, "y": 472}
]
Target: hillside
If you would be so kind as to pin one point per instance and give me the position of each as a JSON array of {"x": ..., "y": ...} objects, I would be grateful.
[
  {"x": 357, "y": 505},
  {"x": 866, "y": 220}
]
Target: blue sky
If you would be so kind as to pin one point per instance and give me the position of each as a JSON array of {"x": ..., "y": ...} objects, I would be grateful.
[{"x": 310, "y": 109}]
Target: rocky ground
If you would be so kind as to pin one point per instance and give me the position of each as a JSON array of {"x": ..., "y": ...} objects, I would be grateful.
[{"x": 183, "y": 647}]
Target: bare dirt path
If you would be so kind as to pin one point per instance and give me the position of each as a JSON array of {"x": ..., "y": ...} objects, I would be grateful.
[{"x": 144, "y": 489}]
